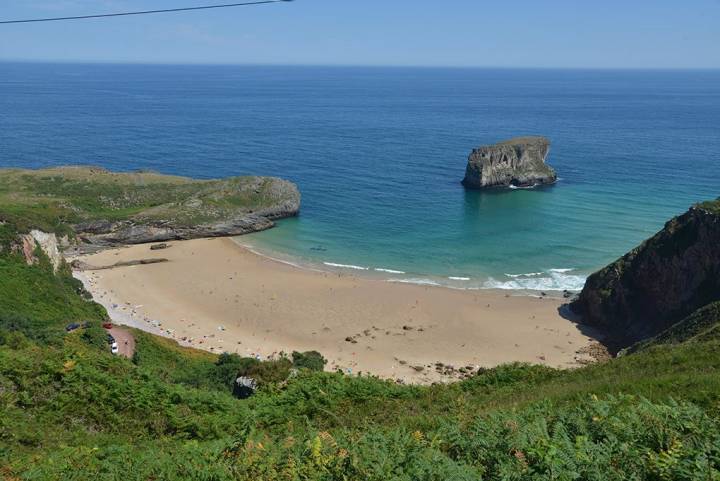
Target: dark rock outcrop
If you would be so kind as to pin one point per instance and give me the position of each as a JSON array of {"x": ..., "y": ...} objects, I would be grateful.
[
  {"x": 518, "y": 162},
  {"x": 132, "y": 232},
  {"x": 659, "y": 283}
]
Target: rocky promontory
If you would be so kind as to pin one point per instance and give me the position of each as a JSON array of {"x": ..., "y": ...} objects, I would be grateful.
[
  {"x": 102, "y": 208},
  {"x": 518, "y": 162},
  {"x": 659, "y": 283}
]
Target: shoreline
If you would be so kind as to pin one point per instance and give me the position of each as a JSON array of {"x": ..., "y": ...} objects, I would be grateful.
[
  {"x": 218, "y": 295},
  {"x": 513, "y": 284}
]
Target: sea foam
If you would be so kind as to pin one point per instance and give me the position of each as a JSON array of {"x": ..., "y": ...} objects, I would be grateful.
[
  {"x": 550, "y": 280},
  {"x": 422, "y": 282},
  {"x": 345, "y": 266},
  {"x": 389, "y": 271}
]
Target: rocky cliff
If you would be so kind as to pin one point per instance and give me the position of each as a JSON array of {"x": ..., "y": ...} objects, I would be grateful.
[
  {"x": 659, "y": 283},
  {"x": 518, "y": 162},
  {"x": 47, "y": 243}
]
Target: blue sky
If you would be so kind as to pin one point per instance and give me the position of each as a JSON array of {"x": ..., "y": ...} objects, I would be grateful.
[{"x": 512, "y": 33}]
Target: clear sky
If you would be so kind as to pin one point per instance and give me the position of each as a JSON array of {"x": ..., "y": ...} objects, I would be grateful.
[{"x": 507, "y": 33}]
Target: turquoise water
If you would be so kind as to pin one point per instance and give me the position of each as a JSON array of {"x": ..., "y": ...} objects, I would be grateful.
[{"x": 379, "y": 153}]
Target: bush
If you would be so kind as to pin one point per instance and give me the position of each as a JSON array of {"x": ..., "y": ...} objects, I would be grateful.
[
  {"x": 95, "y": 335},
  {"x": 265, "y": 373},
  {"x": 13, "y": 339},
  {"x": 229, "y": 366},
  {"x": 312, "y": 360}
]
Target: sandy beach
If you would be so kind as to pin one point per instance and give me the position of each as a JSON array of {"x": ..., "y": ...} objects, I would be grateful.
[{"x": 216, "y": 295}]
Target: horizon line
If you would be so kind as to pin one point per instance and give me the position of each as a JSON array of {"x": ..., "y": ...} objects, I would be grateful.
[{"x": 338, "y": 65}]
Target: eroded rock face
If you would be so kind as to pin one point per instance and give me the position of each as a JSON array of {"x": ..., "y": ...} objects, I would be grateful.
[
  {"x": 660, "y": 282},
  {"x": 130, "y": 232},
  {"x": 518, "y": 162},
  {"x": 48, "y": 243}
]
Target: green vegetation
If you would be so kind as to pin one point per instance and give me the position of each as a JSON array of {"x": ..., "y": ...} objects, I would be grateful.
[
  {"x": 710, "y": 205},
  {"x": 312, "y": 360},
  {"x": 71, "y": 410},
  {"x": 39, "y": 303},
  {"x": 53, "y": 199},
  {"x": 701, "y": 325}
]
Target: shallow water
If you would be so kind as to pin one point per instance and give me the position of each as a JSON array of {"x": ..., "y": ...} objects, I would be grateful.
[{"x": 379, "y": 153}]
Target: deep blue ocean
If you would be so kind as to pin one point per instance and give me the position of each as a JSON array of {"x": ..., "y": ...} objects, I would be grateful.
[{"x": 379, "y": 153}]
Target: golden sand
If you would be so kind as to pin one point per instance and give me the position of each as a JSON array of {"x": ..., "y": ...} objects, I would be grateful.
[{"x": 217, "y": 295}]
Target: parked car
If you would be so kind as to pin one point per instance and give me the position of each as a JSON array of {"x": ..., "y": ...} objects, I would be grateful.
[
  {"x": 107, "y": 325},
  {"x": 110, "y": 339},
  {"x": 114, "y": 348},
  {"x": 72, "y": 327}
]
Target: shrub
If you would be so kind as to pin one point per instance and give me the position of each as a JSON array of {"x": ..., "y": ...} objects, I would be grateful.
[
  {"x": 95, "y": 335},
  {"x": 265, "y": 373},
  {"x": 311, "y": 360},
  {"x": 13, "y": 339},
  {"x": 229, "y": 366}
]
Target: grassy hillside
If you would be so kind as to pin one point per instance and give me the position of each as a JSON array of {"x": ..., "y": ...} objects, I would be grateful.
[
  {"x": 701, "y": 325},
  {"x": 71, "y": 410},
  {"x": 53, "y": 199}
]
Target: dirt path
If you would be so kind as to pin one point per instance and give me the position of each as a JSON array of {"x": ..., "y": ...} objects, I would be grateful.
[{"x": 125, "y": 340}]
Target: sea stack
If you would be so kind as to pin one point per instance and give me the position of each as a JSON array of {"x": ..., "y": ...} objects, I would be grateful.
[{"x": 518, "y": 162}]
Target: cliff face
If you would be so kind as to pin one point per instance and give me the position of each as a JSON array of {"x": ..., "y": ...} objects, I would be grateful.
[
  {"x": 518, "y": 162},
  {"x": 658, "y": 283},
  {"x": 48, "y": 243}
]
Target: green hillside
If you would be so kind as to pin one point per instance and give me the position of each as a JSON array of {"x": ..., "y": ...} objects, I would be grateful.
[
  {"x": 70, "y": 410},
  {"x": 58, "y": 197}
]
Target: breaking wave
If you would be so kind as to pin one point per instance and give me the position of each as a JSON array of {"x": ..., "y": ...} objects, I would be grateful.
[
  {"x": 346, "y": 266},
  {"x": 422, "y": 282},
  {"x": 389, "y": 271},
  {"x": 550, "y": 280}
]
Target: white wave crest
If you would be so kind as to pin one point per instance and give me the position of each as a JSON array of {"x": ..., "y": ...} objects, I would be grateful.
[
  {"x": 453, "y": 278},
  {"x": 422, "y": 282},
  {"x": 529, "y": 274},
  {"x": 550, "y": 280},
  {"x": 390, "y": 271},
  {"x": 346, "y": 266}
]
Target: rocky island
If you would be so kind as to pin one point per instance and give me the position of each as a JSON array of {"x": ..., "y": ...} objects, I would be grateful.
[
  {"x": 103, "y": 208},
  {"x": 518, "y": 162}
]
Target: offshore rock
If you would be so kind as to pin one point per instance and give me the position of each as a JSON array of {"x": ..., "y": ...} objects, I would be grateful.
[{"x": 518, "y": 162}]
